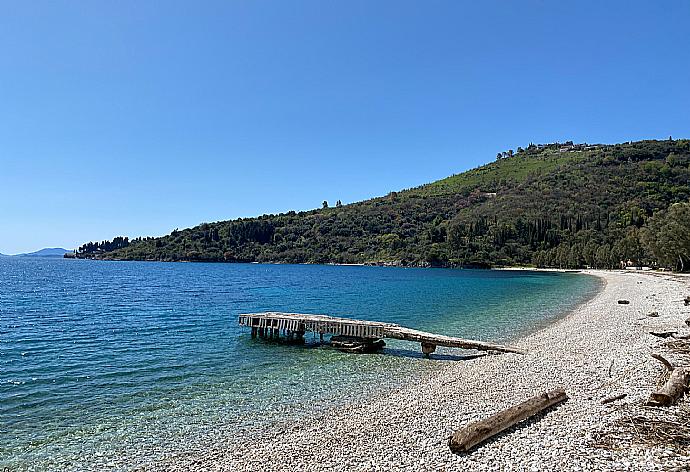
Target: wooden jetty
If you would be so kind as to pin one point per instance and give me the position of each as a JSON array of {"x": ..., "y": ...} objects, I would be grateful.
[{"x": 354, "y": 335}]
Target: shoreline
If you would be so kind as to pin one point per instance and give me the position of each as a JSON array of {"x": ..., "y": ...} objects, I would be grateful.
[{"x": 598, "y": 349}]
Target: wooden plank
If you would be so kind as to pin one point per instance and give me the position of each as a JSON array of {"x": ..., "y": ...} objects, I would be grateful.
[{"x": 408, "y": 334}]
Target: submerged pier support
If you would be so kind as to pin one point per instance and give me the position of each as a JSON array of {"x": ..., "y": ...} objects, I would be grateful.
[{"x": 428, "y": 348}]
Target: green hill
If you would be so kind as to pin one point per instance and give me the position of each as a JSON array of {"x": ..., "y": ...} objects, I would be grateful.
[{"x": 560, "y": 205}]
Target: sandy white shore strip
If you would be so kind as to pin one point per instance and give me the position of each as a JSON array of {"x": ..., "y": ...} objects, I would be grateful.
[{"x": 600, "y": 349}]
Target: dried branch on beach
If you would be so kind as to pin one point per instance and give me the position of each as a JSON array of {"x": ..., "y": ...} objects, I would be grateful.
[
  {"x": 613, "y": 398},
  {"x": 663, "y": 334},
  {"x": 663, "y": 360}
]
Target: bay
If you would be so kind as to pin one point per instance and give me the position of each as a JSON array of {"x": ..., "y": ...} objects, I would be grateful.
[{"x": 114, "y": 364}]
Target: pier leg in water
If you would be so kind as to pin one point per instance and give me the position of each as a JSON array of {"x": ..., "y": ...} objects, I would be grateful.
[
  {"x": 428, "y": 348},
  {"x": 253, "y": 331}
]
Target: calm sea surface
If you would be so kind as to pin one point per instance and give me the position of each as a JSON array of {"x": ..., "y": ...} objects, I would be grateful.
[{"x": 114, "y": 364}]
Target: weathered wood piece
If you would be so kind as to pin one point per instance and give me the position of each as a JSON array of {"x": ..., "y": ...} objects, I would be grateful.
[
  {"x": 663, "y": 334},
  {"x": 675, "y": 386},
  {"x": 464, "y": 439},
  {"x": 623, "y": 302},
  {"x": 613, "y": 398},
  {"x": 673, "y": 389},
  {"x": 653, "y": 314},
  {"x": 407, "y": 334}
]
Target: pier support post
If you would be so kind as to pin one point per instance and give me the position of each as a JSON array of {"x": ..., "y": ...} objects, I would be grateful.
[
  {"x": 253, "y": 331},
  {"x": 428, "y": 348}
]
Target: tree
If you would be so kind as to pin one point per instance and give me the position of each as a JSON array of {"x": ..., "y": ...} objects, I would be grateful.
[
  {"x": 616, "y": 256},
  {"x": 603, "y": 257},
  {"x": 575, "y": 260},
  {"x": 590, "y": 254},
  {"x": 672, "y": 159},
  {"x": 667, "y": 236},
  {"x": 562, "y": 254},
  {"x": 539, "y": 259},
  {"x": 338, "y": 204},
  {"x": 324, "y": 204},
  {"x": 631, "y": 247}
]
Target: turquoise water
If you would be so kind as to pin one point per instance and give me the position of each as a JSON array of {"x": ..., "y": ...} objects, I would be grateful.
[{"x": 113, "y": 364}]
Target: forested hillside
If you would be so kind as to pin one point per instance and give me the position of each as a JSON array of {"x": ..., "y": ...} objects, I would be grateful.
[{"x": 562, "y": 204}]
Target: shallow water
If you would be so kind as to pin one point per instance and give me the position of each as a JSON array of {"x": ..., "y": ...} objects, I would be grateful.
[{"x": 116, "y": 363}]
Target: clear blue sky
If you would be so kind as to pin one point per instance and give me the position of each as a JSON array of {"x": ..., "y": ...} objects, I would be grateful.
[{"x": 134, "y": 118}]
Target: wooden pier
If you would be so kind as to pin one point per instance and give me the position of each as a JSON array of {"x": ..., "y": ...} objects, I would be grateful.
[{"x": 354, "y": 335}]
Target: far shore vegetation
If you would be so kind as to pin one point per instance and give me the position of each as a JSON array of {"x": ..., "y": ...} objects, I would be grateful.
[{"x": 562, "y": 205}]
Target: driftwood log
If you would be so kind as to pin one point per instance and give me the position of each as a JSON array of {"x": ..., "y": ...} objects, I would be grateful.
[
  {"x": 624, "y": 302},
  {"x": 464, "y": 439},
  {"x": 675, "y": 386}
]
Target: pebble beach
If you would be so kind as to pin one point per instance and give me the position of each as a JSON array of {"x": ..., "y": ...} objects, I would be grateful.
[{"x": 600, "y": 349}]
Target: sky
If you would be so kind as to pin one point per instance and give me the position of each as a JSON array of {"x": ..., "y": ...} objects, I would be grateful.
[{"x": 138, "y": 117}]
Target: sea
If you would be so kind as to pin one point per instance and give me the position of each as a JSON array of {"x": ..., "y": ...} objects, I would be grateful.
[{"x": 115, "y": 365}]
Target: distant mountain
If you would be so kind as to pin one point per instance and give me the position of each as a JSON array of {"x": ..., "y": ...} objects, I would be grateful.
[{"x": 47, "y": 252}]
